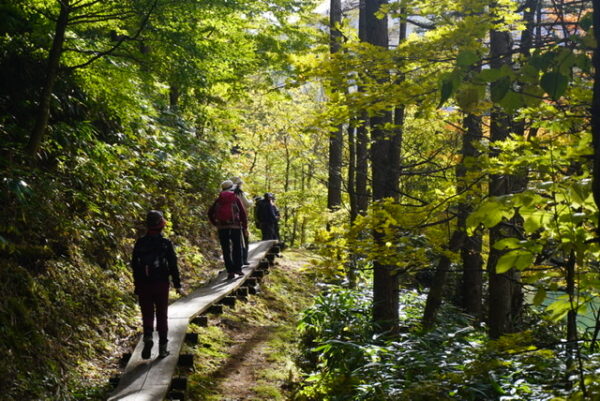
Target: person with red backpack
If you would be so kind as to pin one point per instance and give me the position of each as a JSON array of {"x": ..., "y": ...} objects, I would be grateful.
[
  {"x": 228, "y": 214},
  {"x": 153, "y": 262}
]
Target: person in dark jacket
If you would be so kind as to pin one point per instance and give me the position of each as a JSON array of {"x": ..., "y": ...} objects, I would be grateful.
[
  {"x": 228, "y": 214},
  {"x": 268, "y": 216},
  {"x": 153, "y": 262}
]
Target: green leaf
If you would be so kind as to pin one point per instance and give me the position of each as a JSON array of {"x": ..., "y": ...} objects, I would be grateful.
[
  {"x": 559, "y": 308},
  {"x": 554, "y": 83},
  {"x": 466, "y": 58},
  {"x": 447, "y": 89},
  {"x": 518, "y": 259},
  {"x": 532, "y": 95},
  {"x": 490, "y": 75},
  {"x": 586, "y": 21},
  {"x": 542, "y": 61},
  {"x": 512, "y": 101},
  {"x": 534, "y": 219},
  {"x": 507, "y": 243},
  {"x": 489, "y": 213},
  {"x": 499, "y": 89},
  {"x": 566, "y": 60},
  {"x": 540, "y": 296},
  {"x": 467, "y": 98}
]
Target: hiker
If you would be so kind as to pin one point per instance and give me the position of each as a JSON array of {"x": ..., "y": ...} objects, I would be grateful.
[
  {"x": 152, "y": 262},
  {"x": 239, "y": 192},
  {"x": 268, "y": 217},
  {"x": 227, "y": 213}
]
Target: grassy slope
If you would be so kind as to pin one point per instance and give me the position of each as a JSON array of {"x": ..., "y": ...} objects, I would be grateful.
[{"x": 249, "y": 352}]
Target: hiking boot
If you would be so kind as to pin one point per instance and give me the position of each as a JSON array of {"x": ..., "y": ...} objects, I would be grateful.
[
  {"x": 240, "y": 273},
  {"x": 230, "y": 276},
  {"x": 162, "y": 349},
  {"x": 148, "y": 343}
]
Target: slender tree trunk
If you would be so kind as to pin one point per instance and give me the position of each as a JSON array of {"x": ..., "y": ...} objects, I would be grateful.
[
  {"x": 383, "y": 153},
  {"x": 572, "y": 314},
  {"x": 472, "y": 279},
  {"x": 174, "y": 95},
  {"x": 362, "y": 165},
  {"x": 362, "y": 134},
  {"x": 435, "y": 295},
  {"x": 43, "y": 111},
  {"x": 351, "y": 183},
  {"x": 286, "y": 188},
  {"x": 500, "y": 285},
  {"x": 595, "y": 111},
  {"x": 334, "y": 185}
]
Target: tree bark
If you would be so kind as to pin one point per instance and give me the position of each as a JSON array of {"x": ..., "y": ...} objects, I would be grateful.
[
  {"x": 362, "y": 134},
  {"x": 595, "y": 111},
  {"x": 43, "y": 112},
  {"x": 383, "y": 154},
  {"x": 500, "y": 285},
  {"x": 351, "y": 181},
  {"x": 435, "y": 295},
  {"x": 334, "y": 185},
  {"x": 470, "y": 252}
]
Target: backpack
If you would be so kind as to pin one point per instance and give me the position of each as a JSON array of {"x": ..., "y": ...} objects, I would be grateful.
[
  {"x": 257, "y": 207},
  {"x": 151, "y": 261},
  {"x": 225, "y": 210}
]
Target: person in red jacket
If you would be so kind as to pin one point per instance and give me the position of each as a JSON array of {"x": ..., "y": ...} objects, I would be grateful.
[
  {"x": 228, "y": 214},
  {"x": 153, "y": 262}
]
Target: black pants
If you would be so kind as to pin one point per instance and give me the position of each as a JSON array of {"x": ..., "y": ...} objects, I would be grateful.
[
  {"x": 268, "y": 231},
  {"x": 231, "y": 244}
]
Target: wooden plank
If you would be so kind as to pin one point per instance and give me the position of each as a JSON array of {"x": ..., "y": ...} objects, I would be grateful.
[{"x": 149, "y": 379}]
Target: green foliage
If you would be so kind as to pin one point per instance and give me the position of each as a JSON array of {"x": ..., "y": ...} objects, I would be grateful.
[
  {"x": 143, "y": 126},
  {"x": 451, "y": 362}
]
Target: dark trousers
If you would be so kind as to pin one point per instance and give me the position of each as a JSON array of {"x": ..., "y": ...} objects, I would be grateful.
[
  {"x": 154, "y": 300},
  {"x": 268, "y": 231},
  {"x": 231, "y": 244}
]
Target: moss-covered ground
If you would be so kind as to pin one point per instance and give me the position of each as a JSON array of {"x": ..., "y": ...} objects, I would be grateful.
[{"x": 248, "y": 352}]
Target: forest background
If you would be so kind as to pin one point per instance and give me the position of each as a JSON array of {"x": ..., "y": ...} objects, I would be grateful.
[{"x": 441, "y": 144}]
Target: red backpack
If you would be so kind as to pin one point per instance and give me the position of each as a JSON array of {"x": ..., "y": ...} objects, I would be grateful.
[{"x": 225, "y": 210}]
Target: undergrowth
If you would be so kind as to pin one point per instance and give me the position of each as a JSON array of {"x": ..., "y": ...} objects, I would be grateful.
[{"x": 274, "y": 312}]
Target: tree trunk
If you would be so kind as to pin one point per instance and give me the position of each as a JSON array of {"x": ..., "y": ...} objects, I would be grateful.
[
  {"x": 362, "y": 165},
  {"x": 351, "y": 182},
  {"x": 174, "y": 95},
  {"x": 383, "y": 153},
  {"x": 435, "y": 295},
  {"x": 362, "y": 135},
  {"x": 595, "y": 111},
  {"x": 571, "y": 315},
  {"x": 500, "y": 285},
  {"x": 334, "y": 185},
  {"x": 472, "y": 279},
  {"x": 43, "y": 111}
]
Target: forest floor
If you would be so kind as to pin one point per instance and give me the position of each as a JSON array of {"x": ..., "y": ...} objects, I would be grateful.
[{"x": 249, "y": 352}]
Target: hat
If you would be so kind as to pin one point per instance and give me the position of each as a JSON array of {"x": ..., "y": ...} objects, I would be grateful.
[
  {"x": 227, "y": 184},
  {"x": 155, "y": 219},
  {"x": 269, "y": 195},
  {"x": 237, "y": 180}
]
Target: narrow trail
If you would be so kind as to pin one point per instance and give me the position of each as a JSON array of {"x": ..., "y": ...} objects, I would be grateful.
[
  {"x": 248, "y": 353},
  {"x": 248, "y": 356}
]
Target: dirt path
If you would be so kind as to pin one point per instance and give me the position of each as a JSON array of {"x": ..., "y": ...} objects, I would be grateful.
[
  {"x": 247, "y": 358},
  {"x": 247, "y": 354}
]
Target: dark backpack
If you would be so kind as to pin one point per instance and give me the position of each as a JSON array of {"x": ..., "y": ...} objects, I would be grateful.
[
  {"x": 257, "y": 207},
  {"x": 151, "y": 261},
  {"x": 225, "y": 210}
]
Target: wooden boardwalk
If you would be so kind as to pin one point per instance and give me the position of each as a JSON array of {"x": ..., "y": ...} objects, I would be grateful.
[{"x": 150, "y": 379}]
